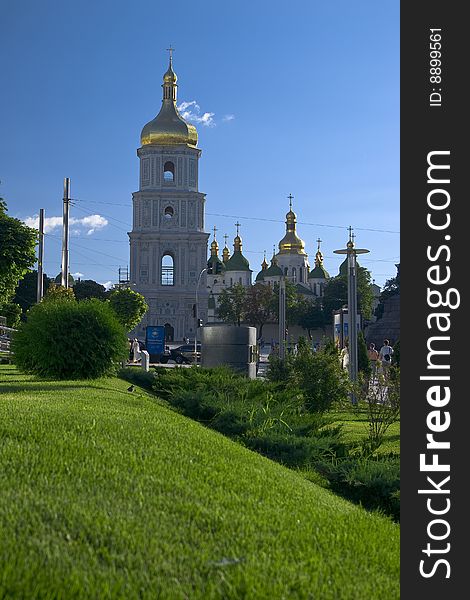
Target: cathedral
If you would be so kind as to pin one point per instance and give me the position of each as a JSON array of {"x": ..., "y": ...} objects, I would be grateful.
[{"x": 168, "y": 245}]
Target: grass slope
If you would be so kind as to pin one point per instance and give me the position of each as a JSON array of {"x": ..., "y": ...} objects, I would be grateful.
[{"x": 107, "y": 494}]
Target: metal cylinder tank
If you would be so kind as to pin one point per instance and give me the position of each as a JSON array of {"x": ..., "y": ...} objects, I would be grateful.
[{"x": 232, "y": 346}]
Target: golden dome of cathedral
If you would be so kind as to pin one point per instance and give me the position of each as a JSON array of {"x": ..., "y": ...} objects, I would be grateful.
[
  {"x": 169, "y": 127},
  {"x": 291, "y": 243}
]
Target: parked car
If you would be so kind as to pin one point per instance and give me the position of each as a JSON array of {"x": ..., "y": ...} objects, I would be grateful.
[
  {"x": 187, "y": 350},
  {"x": 181, "y": 355}
]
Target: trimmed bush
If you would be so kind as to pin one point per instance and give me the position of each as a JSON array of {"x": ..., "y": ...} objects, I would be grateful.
[{"x": 70, "y": 340}]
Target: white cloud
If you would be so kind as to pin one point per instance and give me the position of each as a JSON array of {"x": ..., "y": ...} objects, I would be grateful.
[
  {"x": 77, "y": 274},
  {"x": 228, "y": 118},
  {"x": 88, "y": 224},
  {"x": 192, "y": 112},
  {"x": 108, "y": 285}
]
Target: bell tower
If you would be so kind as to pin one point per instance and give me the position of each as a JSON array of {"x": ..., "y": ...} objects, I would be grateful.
[{"x": 168, "y": 246}]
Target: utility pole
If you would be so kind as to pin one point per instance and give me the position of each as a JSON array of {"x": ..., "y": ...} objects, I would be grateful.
[
  {"x": 40, "y": 287},
  {"x": 282, "y": 318},
  {"x": 65, "y": 234},
  {"x": 352, "y": 252}
]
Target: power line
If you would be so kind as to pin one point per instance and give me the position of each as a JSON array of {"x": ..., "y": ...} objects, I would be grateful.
[{"x": 249, "y": 219}]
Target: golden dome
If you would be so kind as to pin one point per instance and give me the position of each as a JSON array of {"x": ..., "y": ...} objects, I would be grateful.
[
  {"x": 291, "y": 243},
  {"x": 214, "y": 248},
  {"x": 169, "y": 127}
]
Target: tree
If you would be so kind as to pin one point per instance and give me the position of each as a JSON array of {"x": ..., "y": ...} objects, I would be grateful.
[
  {"x": 58, "y": 293},
  {"x": 87, "y": 288},
  {"x": 17, "y": 252},
  {"x": 129, "y": 307},
  {"x": 232, "y": 304},
  {"x": 310, "y": 315},
  {"x": 391, "y": 288},
  {"x": 259, "y": 306},
  {"x": 292, "y": 300},
  {"x": 12, "y": 312},
  {"x": 27, "y": 290},
  {"x": 336, "y": 294}
]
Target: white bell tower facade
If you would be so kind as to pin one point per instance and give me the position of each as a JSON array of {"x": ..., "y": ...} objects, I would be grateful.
[{"x": 168, "y": 245}]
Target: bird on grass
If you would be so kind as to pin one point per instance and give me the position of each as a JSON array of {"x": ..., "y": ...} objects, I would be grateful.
[{"x": 131, "y": 388}]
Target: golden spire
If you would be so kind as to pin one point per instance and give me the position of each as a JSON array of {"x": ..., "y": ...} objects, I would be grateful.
[
  {"x": 226, "y": 251},
  {"x": 319, "y": 255},
  {"x": 291, "y": 243},
  {"x": 214, "y": 245},
  {"x": 169, "y": 127},
  {"x": 237, "y": 242},
  {"x": 264, "y": 264}
]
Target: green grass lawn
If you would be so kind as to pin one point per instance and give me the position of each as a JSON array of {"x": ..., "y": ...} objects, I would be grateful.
[
  {"x": 109, "y": 494},
  {"x": 355, "y": 427}
]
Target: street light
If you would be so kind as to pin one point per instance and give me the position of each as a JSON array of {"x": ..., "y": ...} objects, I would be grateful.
[
  {"x": 351, "y": 252},
  {"x": 197, "y": 316}
]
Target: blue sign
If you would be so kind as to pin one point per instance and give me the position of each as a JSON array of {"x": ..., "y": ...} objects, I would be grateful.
[{"x": 155, "y": 339}]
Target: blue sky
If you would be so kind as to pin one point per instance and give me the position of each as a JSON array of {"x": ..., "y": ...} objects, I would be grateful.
[{"x": 299, "y": 97}]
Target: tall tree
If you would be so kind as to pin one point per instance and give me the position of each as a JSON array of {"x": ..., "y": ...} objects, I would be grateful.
[
  {"x": 27, "y": 290},
  {"x": 17, "y": 252},
  {"x": 310, "y": 315},
  {"x": 391, "y": 288},
  {"x": 336, "y": 294},
  {"x": 292, "y": 300},
  {"x": 87, "y": 288},
  {"x": 232, "y": 304},
  {"x": 259, "y": 306}
]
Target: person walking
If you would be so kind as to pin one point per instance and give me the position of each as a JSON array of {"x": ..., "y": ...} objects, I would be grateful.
[
  {"x": 385, "y": 357},
  {"x": 135, "y": 350},
  {"x": 344, "y": 356},
  {"x": 373, "y": 356}
]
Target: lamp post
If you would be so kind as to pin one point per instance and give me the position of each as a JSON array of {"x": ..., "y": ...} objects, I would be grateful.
[
  {"x": 351, "y": 251},
  {"x": 197, "y": 315},
  {"x": 282, "y": 318}
]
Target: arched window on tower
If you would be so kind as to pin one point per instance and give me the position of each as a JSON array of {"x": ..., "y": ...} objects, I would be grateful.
[
  {"x": 286, "y": 270},
  {"x": 169, "y": 171},
  {"x": 294, "y": 274},
  {"x": 168, "y": 271},
  {"x": 301, "y": 275}
]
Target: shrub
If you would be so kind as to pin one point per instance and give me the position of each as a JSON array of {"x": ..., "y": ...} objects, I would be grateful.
[
  {"x": 58, "y": 293},
  {"x": 69, "y": 340},
  {"x": 320, "y": 377},
  {"x": 372, "y": 482}
]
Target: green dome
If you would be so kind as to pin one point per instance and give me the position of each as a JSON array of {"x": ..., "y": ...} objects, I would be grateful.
[
  {"x": 319, "y": 272},
  {"x": 274, "y": 270},
  {"x": 237, "y": 262},
  {"x": 261, "y": 275},
  {"x": 343, "y": 267},
  {"x": 215, "y": 266}
]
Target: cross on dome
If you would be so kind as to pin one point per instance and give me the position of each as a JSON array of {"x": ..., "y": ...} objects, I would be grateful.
[{"x": 170, "y": 50}]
